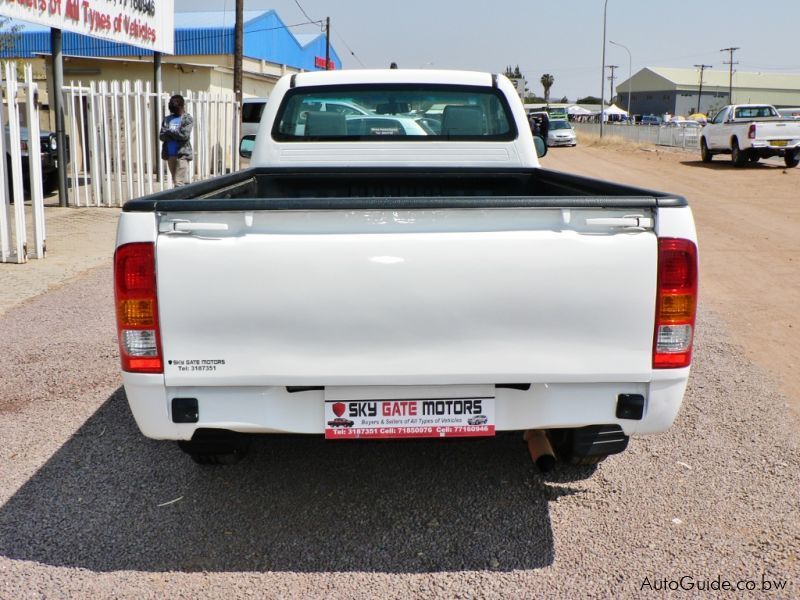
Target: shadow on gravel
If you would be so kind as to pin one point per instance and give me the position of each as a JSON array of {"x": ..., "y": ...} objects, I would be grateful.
[
  {"x": 724, "y": 164},
  {"x": 295, "y": 504}
]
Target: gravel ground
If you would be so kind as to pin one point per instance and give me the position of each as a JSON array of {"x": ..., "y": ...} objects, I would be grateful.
[{"x": 81, "y": 489}]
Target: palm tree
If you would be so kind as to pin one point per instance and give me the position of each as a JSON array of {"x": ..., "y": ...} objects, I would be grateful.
[{"x": 547, "y": 82}]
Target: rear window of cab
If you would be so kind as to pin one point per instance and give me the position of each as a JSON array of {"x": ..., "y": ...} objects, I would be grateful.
[{"x": 377, "y": 112}]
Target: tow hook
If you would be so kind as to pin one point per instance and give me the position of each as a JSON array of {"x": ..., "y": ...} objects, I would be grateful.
[{"x": 540, "y": 449}]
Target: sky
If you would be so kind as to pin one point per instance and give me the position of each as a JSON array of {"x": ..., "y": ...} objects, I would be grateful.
[{"x": 560, "y": 37}]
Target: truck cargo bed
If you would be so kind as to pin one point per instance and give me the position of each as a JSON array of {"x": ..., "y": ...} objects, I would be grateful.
[{"x": 369, "y": 188}]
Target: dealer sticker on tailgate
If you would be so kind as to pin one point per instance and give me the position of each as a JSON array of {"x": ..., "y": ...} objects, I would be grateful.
[{"x": 415, "y": 418}]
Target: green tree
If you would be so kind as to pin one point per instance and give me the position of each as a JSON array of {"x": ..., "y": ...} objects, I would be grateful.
[
  {"x": 547, "y": 82},
  {"x": 8, "y": 34},
  {"x": 564, "y": 100},
  {"x": 588, "y": 100}
]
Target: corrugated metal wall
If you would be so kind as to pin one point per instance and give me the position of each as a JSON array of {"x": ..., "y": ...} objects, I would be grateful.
[{"x": 266, "y": 38}]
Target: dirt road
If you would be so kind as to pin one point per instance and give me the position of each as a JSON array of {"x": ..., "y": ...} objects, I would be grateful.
[{"x": 748, "y": 223}]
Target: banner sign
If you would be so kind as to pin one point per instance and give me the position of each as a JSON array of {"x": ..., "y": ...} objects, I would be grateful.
[
  {"x": 319, "y": 62},
  {"x": 148, "y": 24}
]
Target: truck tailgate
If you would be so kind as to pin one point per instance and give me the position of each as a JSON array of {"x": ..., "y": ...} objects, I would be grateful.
[
  {"x": 777, "y": 130},
  {"x": 393, "y": 297}
]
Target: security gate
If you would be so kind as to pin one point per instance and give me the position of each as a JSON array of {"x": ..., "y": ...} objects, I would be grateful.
[
  {"x": 113, "y": 135},
  {"x": 17, "y": 145}
]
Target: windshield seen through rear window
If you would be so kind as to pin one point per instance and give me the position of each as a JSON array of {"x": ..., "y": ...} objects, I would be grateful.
[{"x": 377, "y": 112}]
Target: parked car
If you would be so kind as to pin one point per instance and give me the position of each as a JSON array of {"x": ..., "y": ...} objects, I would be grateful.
[
  {"x": 251, "y": 114},
  {"x": 47, "y": 151},
  {"x": 751, "y": 132},
  {"x": 687, "y": 123},
  {"x": 790, "y": 113},
  {"x": 651, "y": 120},
  {"x": 561, "y": 133},
  {"x": 386, "y": 125}
]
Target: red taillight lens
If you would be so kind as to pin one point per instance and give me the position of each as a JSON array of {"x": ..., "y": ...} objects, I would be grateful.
[
  {"x": 137, "y": 308},
  {"x": 751, "y": 131},
  {"x": 676, "y": 304}
]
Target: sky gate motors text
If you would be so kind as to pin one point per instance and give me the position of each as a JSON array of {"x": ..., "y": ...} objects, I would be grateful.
[{"x": 410, "y": 408}]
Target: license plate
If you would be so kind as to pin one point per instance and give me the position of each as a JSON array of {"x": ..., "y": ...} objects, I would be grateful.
[
  {"x": 778, "y": 142},
  {"x": 414, "y": 418}
]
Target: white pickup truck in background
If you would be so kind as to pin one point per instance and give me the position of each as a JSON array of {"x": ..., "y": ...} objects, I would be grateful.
[
  {"x": 749, "y": 132},
  {"x": 407, "y": 272}
]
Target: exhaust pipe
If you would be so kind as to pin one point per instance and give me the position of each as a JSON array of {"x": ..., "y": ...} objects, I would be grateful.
[{"x": 540, "y": 449}]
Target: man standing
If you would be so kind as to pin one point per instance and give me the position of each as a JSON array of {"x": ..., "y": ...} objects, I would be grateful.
[{"x": 176, "y": 129}]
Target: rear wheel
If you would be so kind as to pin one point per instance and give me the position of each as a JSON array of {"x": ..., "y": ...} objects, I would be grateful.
[
  {"x": 216, "y": 447},
  {"x": 792, "y": 159},
  {"x": 50, "y": 183},
  {"x": 738, "y": 157},
  {"x": 753, "y": 158},
  {"x": 705, "y": 153}
]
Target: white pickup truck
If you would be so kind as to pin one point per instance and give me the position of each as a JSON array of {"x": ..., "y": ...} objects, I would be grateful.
[
  {"x": 408, "y": 272},
  {"x": 751, "y": 132}
]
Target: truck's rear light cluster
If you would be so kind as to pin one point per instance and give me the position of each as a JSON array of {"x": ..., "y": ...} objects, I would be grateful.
[
  {"x": 137, "y": 308},
  {"x": 676, "y": 305},
  {"x": 751, "y": 131}
]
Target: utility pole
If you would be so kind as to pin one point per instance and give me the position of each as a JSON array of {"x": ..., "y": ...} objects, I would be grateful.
[
  {"x": 58, "y": 104},
  {"x": 238, "y": 50},
  {"x": 603, "y": 72},
  {"x": 327, "y": 43},
  {"x": 700, "y": 94},
  {"x": 157, "y": 104},
  {"x": 730, "y": 75},
  {"x": 611, "y": 79}
]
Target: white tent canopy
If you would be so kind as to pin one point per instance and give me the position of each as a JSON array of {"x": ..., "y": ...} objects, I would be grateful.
[
  {"x": 615, "y": 110},
  {"x": 578, "y": 111}
]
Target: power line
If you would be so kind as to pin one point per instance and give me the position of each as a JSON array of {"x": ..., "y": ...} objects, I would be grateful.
[
  {"x": 302, "y": 10},
  {"x": 730, "y": 75},
  {"x": 346, "y": 45}
]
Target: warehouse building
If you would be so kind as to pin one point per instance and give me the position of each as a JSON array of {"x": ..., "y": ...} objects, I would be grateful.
[
  {"x": 203, "y": 59},
  {"x": 657, "y": 90}
]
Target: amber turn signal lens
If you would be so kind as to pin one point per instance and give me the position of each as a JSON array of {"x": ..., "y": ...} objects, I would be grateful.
[
  {"x": 136, "y": 313},
  {"x": 676, "y": 308}
]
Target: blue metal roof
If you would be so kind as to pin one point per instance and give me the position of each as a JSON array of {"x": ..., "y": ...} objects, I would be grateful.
[{"x": 266, "y": 37}]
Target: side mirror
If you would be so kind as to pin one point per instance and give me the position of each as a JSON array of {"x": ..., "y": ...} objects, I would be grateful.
[
  {"x": 246, "y": 146},
  {"x": 541, "y": 146}
]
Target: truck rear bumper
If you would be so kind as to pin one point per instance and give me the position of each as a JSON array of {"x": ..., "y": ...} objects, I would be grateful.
[
  {"x": 767, "y": 150},
  {"x": 276, "y": 410}
]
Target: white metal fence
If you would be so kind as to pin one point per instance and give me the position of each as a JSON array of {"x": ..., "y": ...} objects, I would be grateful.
[
  {"x": 18, "y": 104},
  {"x": 113, "y": 136},
  {"x": 687, "y": 138}
]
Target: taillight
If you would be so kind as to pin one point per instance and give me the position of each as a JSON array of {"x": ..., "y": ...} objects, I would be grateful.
[
  {"x": 676, "y": 304},
  {"x": 751, "y": 131},
  {"x": 137, "y": 308}
]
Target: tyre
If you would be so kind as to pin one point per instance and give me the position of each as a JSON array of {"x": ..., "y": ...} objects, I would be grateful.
[
  {"x": 792, "y": 159},
  {"x": 738, "y": 157},
  {"x": 705, "y": 153},
  {"x": 50, "y": 183},
  {"x": 753, "y": 157},
  {"x": 212, "y": 447}
]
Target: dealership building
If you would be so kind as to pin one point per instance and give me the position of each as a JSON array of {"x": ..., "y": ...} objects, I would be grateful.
[
  {"x": 203, "y": 58},
  {"x": 659, "y": 90}
]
